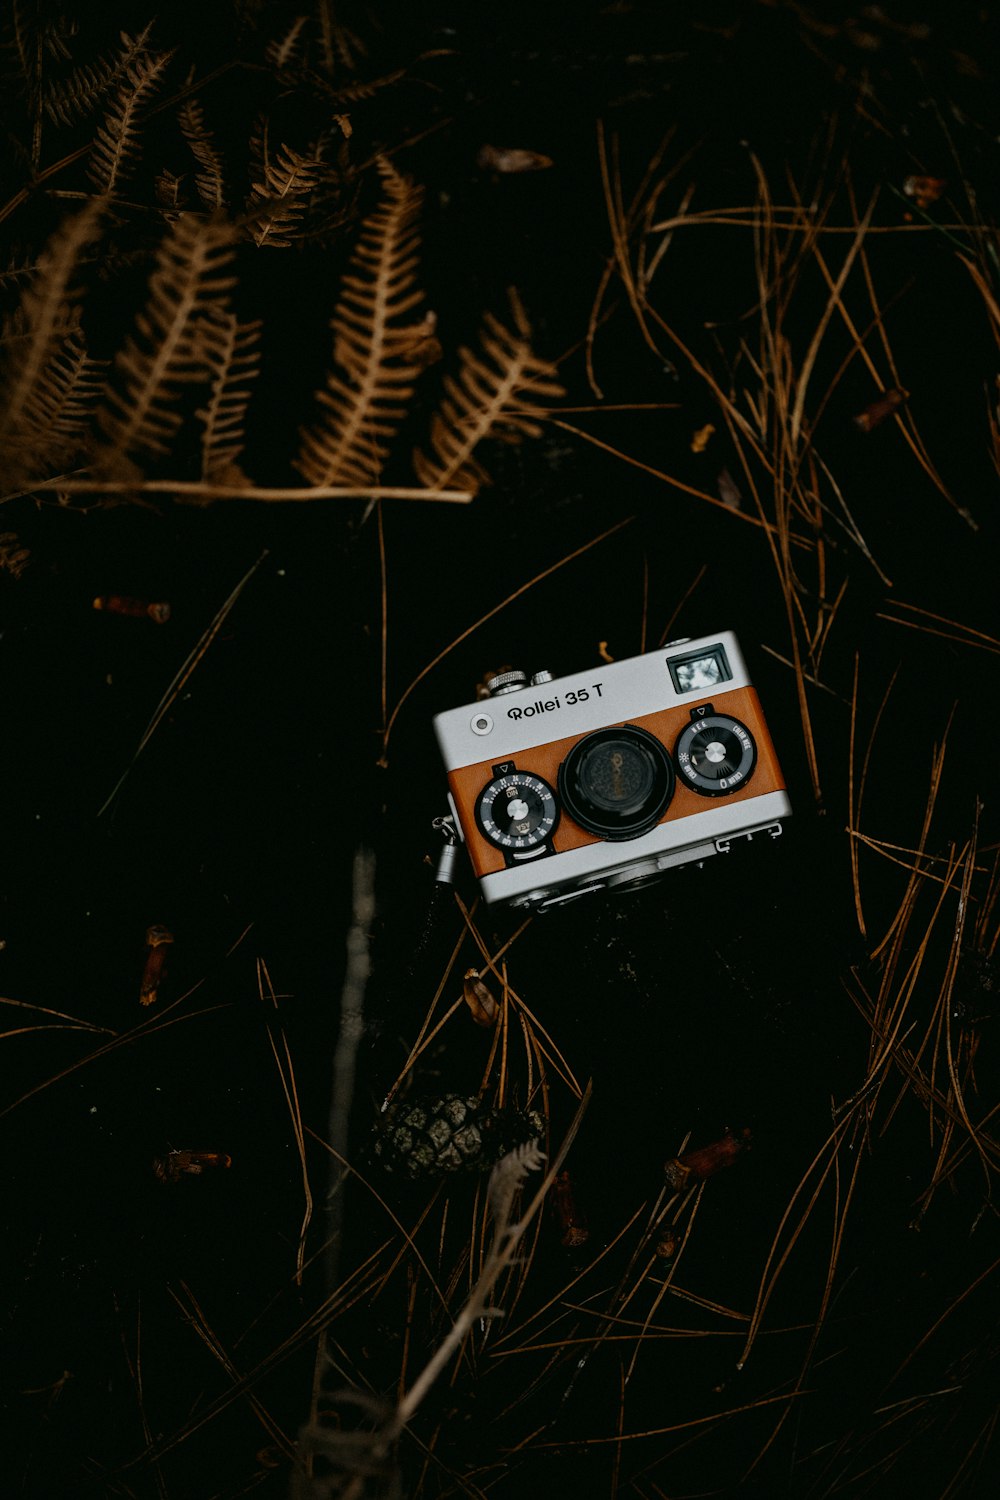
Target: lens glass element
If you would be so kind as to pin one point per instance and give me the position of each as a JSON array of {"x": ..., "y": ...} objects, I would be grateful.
[{"x": 617, "y": 782}]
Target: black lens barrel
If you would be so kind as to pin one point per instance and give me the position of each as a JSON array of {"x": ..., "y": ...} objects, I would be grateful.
[{"x": 617, "y": 782}]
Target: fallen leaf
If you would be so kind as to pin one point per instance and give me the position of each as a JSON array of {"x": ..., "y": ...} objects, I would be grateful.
[
  {"x": 924, "y": 190},
  {"x": 729, "y": 491},
  {"x": 883, "y": 406},
  {"x": 511, "y": 159}
]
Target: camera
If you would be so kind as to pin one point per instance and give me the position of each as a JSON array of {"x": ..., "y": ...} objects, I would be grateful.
[{"x": 560, "y": 786}]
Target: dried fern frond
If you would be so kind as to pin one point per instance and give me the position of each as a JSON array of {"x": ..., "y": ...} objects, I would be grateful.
[
  {"x": 53, "y": 34},
  {"x": 14, "y": 556},
  {"x": 281, "y": 188},
  {"x": 210, "y": 181},
  {"x": 374, "y": 344},
  {"x": 188, "y": 287},
  {"x": 116, "y": 146},
  {"x": 482, "y": 402},
  {"x": 56, "y": 420},
  {"x": 70, "y": 99},
  {"x": 507, "y": 1179},
  {"x": 341, "y": 45},
  {"x": 169, "y": 190},
  {"x": 231, "y": 349},
  {"x": 21, "y": 44},
  {"x": 286, "y": 53},
  {"x": 48, "y": 382},
  {"x": 21, "y": 267}
]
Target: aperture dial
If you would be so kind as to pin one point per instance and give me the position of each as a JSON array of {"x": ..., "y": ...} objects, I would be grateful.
[
  {"x": 715, "y": 754},
  {"x": 517, "y": 811}
]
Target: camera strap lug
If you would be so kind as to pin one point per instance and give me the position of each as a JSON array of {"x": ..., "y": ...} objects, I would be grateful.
[{"x": 444, "y": 874}]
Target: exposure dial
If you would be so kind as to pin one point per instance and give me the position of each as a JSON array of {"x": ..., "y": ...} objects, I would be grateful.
[
  {"x": 517, "y": 812},
  {"x": 716, "y": 754}
]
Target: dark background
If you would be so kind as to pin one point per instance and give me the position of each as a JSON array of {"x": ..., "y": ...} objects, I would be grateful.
[{"x": 721, "y": 997}]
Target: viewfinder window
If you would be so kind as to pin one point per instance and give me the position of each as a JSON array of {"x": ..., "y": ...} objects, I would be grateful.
[{"x": 698, "y": 671}]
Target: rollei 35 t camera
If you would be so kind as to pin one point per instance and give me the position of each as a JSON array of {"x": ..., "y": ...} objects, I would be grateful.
[{"x": 561, "y": 786}]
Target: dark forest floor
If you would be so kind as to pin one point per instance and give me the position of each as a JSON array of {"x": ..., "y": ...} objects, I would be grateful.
[{"x": 755, "y": 247}]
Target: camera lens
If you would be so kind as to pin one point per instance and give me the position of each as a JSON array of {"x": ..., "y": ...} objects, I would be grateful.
[{"x": 617, "y": 782}]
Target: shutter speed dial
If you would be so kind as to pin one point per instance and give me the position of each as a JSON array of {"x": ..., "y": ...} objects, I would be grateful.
[{"x": 517, "y": 812}]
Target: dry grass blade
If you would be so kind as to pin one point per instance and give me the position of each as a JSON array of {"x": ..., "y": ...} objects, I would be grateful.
[
  {"x": 814, "y": 1178},
  {"x": 937, "y": 770},
  {"x": 685, "y": 1426},
  {"x": 836, "y": 287},
  {"x": 538, "y": 578},
  {"x": 501, "y": 1350},
  {"x": 286, "y": 1072},
  {"x": 669, "y": 479},
  {"x": 183, "y": 676},
  {"x": 193, "y": 1315},
  {"x": 623, "y": 224},
  {"x": 533, "y": 1028},
  {"x": 352, "y": 1291},
  {"x": 75, "y": 1022},
  {"x": 121, "y": 1039},
  {"x": 135, "y": 1371},
  {"x": 854, "y": 807},
  {"x": 966, "y": 635}
]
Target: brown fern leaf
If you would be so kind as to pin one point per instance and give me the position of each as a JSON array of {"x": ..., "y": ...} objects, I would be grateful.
[
  {"x": 70, "y": 99},
  {"x": 169, "y": 190},
  {"x": 366, "y": 396},
  {"x": 342, "y": 46},
  {"x": 286, "y": 54},
  {"x": 344, "y": 94},
  {"x": 21, "y": 43},
  {"x": 230, "y": 347},
  {"x": 190, "y": 284},
  {"x": 482, "y": 402},
  {"x": 47, "y": 382},
  {"x": 116, "y": 146},
  {"x": 280, "y": 194},
  {"x": 56, "y": 420},
  {"x": 210, "y": 181},
  {"x": 14, "y": 556}
]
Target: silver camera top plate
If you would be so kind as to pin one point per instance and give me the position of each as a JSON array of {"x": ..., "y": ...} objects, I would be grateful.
[{"x": 500, "y": 727}]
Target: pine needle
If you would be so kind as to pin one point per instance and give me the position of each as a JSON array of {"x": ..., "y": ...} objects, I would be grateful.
[{"x": 182, "y": 677}]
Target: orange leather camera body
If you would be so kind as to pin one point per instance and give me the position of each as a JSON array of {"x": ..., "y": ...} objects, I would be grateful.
[{"x": 562, "y": 786}]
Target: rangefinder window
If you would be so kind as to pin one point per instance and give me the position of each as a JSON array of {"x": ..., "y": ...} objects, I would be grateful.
[{"x": 699, "y": 670}]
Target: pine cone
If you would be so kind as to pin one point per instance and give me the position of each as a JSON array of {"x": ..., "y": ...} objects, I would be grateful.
[{"x": 438, "y": 1135}]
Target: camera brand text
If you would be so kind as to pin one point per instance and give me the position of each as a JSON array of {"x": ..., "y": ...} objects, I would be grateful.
[{"x": 549, "y": 705}]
